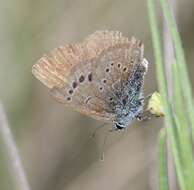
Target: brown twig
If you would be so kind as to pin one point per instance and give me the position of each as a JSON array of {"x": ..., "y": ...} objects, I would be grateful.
[{"x": 14, "y": 160}]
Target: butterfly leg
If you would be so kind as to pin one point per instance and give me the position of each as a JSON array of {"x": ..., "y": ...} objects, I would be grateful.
[
  {"x": 146, "y": 97},
  {"x": 144, "y": 116},
  {"x": 97, "y": 129}
]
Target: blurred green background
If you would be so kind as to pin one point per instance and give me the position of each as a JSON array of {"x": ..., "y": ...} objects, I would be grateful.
[{"x": 54, "y": 141}]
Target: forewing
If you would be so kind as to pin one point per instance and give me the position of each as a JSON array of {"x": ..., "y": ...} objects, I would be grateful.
[{"x": 90, "y": 76}]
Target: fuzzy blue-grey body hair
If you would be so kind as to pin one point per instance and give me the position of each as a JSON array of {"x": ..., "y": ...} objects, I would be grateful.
[{"x": 131, "y": 100}]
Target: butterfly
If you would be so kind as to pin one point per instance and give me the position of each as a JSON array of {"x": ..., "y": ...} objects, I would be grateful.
[{"x": 102, "y": 77}]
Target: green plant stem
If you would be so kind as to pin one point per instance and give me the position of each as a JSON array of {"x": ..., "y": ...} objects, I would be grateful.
[
  {"x": 181, "y": 63},
  {"x": 170, "y": 124},
  {"x": 182, "y": 124},
  {"x": 163, "y": 170},
  {"x": 183, "y": 106}
]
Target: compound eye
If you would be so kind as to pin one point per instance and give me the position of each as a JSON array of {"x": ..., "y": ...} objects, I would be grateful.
[{"x": 119, "y": 126}]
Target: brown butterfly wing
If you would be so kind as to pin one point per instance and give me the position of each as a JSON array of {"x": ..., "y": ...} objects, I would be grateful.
[{"x": 76, "y": 74}]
